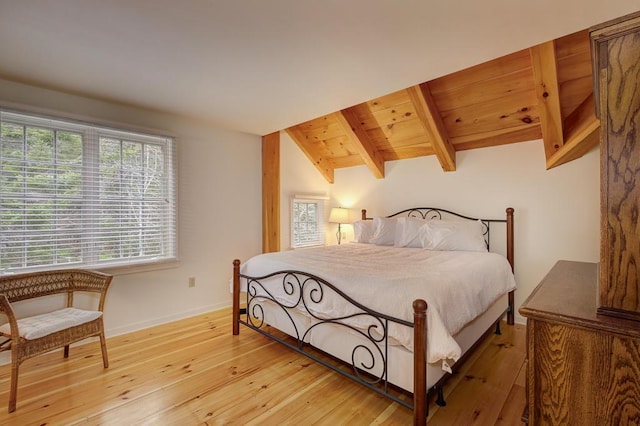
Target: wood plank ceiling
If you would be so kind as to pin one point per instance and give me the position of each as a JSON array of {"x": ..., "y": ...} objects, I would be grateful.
[{"x": 544, "y": 92}]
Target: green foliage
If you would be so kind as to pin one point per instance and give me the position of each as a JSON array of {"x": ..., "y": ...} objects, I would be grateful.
[{"x": 47, "y": 191}]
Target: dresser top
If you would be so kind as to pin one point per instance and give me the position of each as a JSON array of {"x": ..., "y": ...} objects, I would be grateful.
[{"x": 568, "y": 294}]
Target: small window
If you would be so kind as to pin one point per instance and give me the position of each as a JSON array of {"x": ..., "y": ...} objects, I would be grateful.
[{"x": 307, "y": 222}]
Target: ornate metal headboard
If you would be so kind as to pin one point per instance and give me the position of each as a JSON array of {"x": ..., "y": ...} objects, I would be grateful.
[{"x": 434, "y": 213}]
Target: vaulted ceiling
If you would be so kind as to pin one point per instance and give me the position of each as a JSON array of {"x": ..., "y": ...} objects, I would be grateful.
[
  {"x": 389, "y": 71},
  {"x": 543, "y": 92}
]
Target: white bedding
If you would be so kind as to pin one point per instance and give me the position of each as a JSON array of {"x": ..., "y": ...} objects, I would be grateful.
[{"x": 457, "y": 285}]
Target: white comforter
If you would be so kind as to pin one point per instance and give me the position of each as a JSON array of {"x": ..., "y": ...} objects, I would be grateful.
[{"x": 458, "y": 286}]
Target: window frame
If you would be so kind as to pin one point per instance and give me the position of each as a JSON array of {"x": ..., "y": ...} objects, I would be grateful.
[
  {"x": 92, "y": 135},
  {"x": 320, "y": 234}
]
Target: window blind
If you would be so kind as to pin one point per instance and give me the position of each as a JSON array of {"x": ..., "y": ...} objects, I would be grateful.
[
  {"x": 307, "y": 221},
  {"x": 75, "y": 194}
]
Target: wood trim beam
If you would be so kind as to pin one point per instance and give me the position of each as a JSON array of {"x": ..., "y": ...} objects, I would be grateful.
[
  {"x": 583, "y": 134},
  {"x": 361, "y": 141},
  {"x": 545, "y": 74},
  {"x": 430, "y": 116},
  {"x": 323, "y": 165},
  {"x": 271, "y": 192}
]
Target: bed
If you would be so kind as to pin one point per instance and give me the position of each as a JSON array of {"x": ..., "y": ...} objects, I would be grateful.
[{"x": 401, "y": 307}]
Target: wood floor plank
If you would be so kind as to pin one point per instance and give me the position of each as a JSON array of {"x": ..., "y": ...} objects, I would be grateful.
[
  {"x": 186, "y": 377},
  {"x": 513, "y": 407},
  {"x": 194, "y": 372},
  {"x": 487, "y": 382}
]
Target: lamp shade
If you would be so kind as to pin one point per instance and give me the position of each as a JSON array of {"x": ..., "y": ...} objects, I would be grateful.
[{"x": 339, "y": 215}]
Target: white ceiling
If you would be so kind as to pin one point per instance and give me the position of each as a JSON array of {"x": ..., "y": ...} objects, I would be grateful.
[{"x": 260, "y": 66}]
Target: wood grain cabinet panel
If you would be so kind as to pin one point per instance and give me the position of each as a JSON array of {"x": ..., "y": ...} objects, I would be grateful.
[
  {"x": 583, "y": 368},
  {"x": 616, "y": 56}
]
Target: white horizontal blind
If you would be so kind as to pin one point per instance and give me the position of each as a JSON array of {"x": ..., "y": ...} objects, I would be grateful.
[
  {"x": 73, "y": 194},
  {"x": 307, "y": 221}
]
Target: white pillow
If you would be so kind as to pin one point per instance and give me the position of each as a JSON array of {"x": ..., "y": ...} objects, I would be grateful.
[
  {"x": 385, "y": 231},
  {"x": 408, "y": 232},
  {"x": 454, "y": 235},
  {"x": 363, "y": 231}
]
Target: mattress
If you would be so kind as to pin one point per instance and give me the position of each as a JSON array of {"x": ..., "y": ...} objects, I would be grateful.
[
  {"x": 458, "y": 287},
  {"x": 340, "y": 342}
]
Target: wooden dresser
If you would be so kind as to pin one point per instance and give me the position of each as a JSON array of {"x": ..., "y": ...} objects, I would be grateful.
[
  {"x": 583, "y": 320},
  {"x": 583, "y": 368}
]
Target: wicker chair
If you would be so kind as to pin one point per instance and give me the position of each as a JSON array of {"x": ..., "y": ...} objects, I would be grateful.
[{"x": 28, "y": 337}]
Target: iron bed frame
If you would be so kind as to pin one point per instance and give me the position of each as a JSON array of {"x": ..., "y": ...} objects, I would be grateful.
[{"x": 307, "y": 290}]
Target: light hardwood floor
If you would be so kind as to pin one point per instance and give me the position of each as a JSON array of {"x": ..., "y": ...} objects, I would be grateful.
[{"x": 194, "y": 372}]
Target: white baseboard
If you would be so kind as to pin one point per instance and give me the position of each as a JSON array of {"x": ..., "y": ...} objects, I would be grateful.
[
  {"x": 5, "y": 357},
  {"x": 163, "y": 320}
]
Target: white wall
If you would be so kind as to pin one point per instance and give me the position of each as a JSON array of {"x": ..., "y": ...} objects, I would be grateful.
[
  {"x": 219, "y": 209},
  {"x": 556, "y": 211},
  {"x": 297, "y": 176}
]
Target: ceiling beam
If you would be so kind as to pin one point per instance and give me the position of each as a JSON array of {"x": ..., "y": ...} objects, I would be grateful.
[
  {"x": 582, "y": 134},
  {"x": 271, "y": 192},
  {"x": 323, "y": 165},
  {"x": 361, "y": 141},
  {"x": 545, "y": 74},
  {"x": 430, "y": 117}
]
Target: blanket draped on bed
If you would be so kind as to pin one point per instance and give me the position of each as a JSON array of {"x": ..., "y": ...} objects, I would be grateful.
[{"x": 457, "y": 285}]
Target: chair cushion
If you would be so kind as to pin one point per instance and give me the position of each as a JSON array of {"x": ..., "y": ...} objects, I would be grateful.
[{"x": 41, "y": 325}]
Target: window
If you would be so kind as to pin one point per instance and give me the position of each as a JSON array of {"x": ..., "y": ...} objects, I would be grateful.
[
  {"x": 307, "y": 222},
  {"x": 73, "y": 195}
]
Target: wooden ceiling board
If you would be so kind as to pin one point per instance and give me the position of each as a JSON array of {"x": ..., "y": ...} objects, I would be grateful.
[
  {"x": 574, "y": 68},
  {"x": 400, "y": 112},
  {"x": 395, "y": 133},
  {"x": 330, "y": 130},
  {"x": 339, "y": 146},
  {"x": 576, "y": 83},
  {"x": 573, "y": 93},
  {"x": 486, "y": 71},
  {"x": 573, "y": 44},
  {"x": 373, "y": 119},
  {"x": 403, "y": 153},
  {"x": 582, "y": 117},
  {"x": 520, "y": 81},
  {"x": 388, "y": 101},
  {"x": 511, "y": 110},
  {"x": 522, "y": 133},
  {"x": 316, "y": 123},
  {"x": 420, "y": 139}
]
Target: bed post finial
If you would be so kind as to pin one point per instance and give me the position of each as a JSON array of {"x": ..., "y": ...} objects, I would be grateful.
[
  {"x": 364, "y": 214},
  {"x": 236, "y": 297},
  {"x": 420, "y": 406}
]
